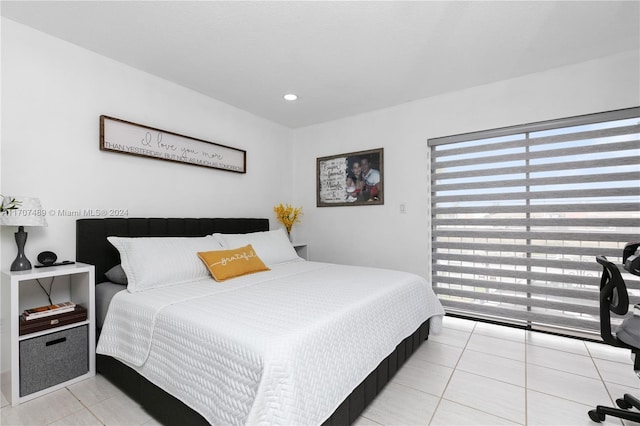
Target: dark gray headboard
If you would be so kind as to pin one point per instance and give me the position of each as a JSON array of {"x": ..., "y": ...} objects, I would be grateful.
[{"x": 93, "y": 248}]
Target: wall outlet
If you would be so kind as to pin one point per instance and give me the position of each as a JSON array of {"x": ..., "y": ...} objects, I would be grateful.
[{"x": 403, "y": 208}]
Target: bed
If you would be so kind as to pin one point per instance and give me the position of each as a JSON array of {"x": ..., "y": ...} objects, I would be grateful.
[{"x": 300, "y": 343}]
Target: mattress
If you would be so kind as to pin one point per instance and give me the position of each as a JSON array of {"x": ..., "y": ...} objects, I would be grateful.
[
  {"x": 281, "y": 347},
  {"x": 104, "y": 293}
]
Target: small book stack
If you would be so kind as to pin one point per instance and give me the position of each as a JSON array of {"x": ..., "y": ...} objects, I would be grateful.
[
  {"x": 45, "y": 317},
  {"x": 46, "y": 311}
]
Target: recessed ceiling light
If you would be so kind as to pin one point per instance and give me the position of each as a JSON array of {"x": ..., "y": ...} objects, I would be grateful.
[{"x": 290, "y": 97}]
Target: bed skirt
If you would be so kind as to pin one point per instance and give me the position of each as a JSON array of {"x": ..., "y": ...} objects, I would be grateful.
[{"x": 168, "y": 410}]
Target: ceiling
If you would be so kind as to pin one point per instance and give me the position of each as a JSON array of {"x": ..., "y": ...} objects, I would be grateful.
[{"x": 340, "y": 58}]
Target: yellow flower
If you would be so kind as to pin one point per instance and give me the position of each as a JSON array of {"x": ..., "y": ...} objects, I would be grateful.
[{"x": 288, "y": 215}]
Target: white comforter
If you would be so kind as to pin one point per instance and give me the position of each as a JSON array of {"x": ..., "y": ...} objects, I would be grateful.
[{"x": 283, "y": 347}]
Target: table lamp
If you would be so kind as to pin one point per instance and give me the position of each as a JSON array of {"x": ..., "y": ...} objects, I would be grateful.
[{"x": 23, "y": 211}]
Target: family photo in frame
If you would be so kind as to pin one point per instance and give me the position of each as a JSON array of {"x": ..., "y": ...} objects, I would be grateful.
[{"x": 352, "y": 179}]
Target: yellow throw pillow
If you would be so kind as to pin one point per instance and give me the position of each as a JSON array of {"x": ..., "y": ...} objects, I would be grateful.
[{"x": 225, "y": 264}]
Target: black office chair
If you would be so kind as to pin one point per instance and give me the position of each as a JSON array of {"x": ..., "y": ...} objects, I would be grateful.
[{"x": 614, "y": 298}]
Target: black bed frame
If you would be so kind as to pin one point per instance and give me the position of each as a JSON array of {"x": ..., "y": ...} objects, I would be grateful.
[{"x": 93, "y": 248}]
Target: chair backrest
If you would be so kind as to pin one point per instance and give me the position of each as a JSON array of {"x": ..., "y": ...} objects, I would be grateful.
[{"x": 613, "y": 298}]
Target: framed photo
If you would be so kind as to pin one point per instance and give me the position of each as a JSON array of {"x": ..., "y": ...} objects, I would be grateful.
[
  {"x": 126, "y": 137},
  {"x": 352, "y": 179}
]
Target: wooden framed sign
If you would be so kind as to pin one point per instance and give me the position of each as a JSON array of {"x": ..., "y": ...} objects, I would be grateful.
[
  {"x": 135, "y": 139},
  {"x": 353, "y": 179}
]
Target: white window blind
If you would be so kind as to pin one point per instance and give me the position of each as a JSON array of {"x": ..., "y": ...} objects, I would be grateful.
[{"x": 518, "y": 215}]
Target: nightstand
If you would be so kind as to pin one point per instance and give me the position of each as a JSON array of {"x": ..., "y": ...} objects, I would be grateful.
[
  {"x": 302, "y": 249},
  {"x": 36, "y": 363}
]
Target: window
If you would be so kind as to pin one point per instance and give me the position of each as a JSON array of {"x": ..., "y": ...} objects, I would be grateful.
[{"x": 518, "y": 215}]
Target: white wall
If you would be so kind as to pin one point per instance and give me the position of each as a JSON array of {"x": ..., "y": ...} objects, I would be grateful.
[
  {"x": 53, "y": 93},
  {"x": 380, "y": 235}
]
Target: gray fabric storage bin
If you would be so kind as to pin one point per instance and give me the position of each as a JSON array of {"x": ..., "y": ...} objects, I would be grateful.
[{"x": 53, "y": 358}]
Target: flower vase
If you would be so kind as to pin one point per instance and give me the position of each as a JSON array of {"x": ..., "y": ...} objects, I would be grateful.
[{"x": 289, "y": 235}]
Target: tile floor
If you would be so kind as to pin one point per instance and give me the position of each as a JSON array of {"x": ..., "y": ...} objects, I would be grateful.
[{"x": 471, "y": 373}]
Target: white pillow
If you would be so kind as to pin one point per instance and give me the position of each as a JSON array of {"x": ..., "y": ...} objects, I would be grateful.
[
  {"x": 272, "y": 247},
  {"x": 160, "y": 261}
]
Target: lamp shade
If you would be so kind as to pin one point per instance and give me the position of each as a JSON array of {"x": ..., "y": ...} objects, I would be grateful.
[{"x": 29, "y": 212}]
